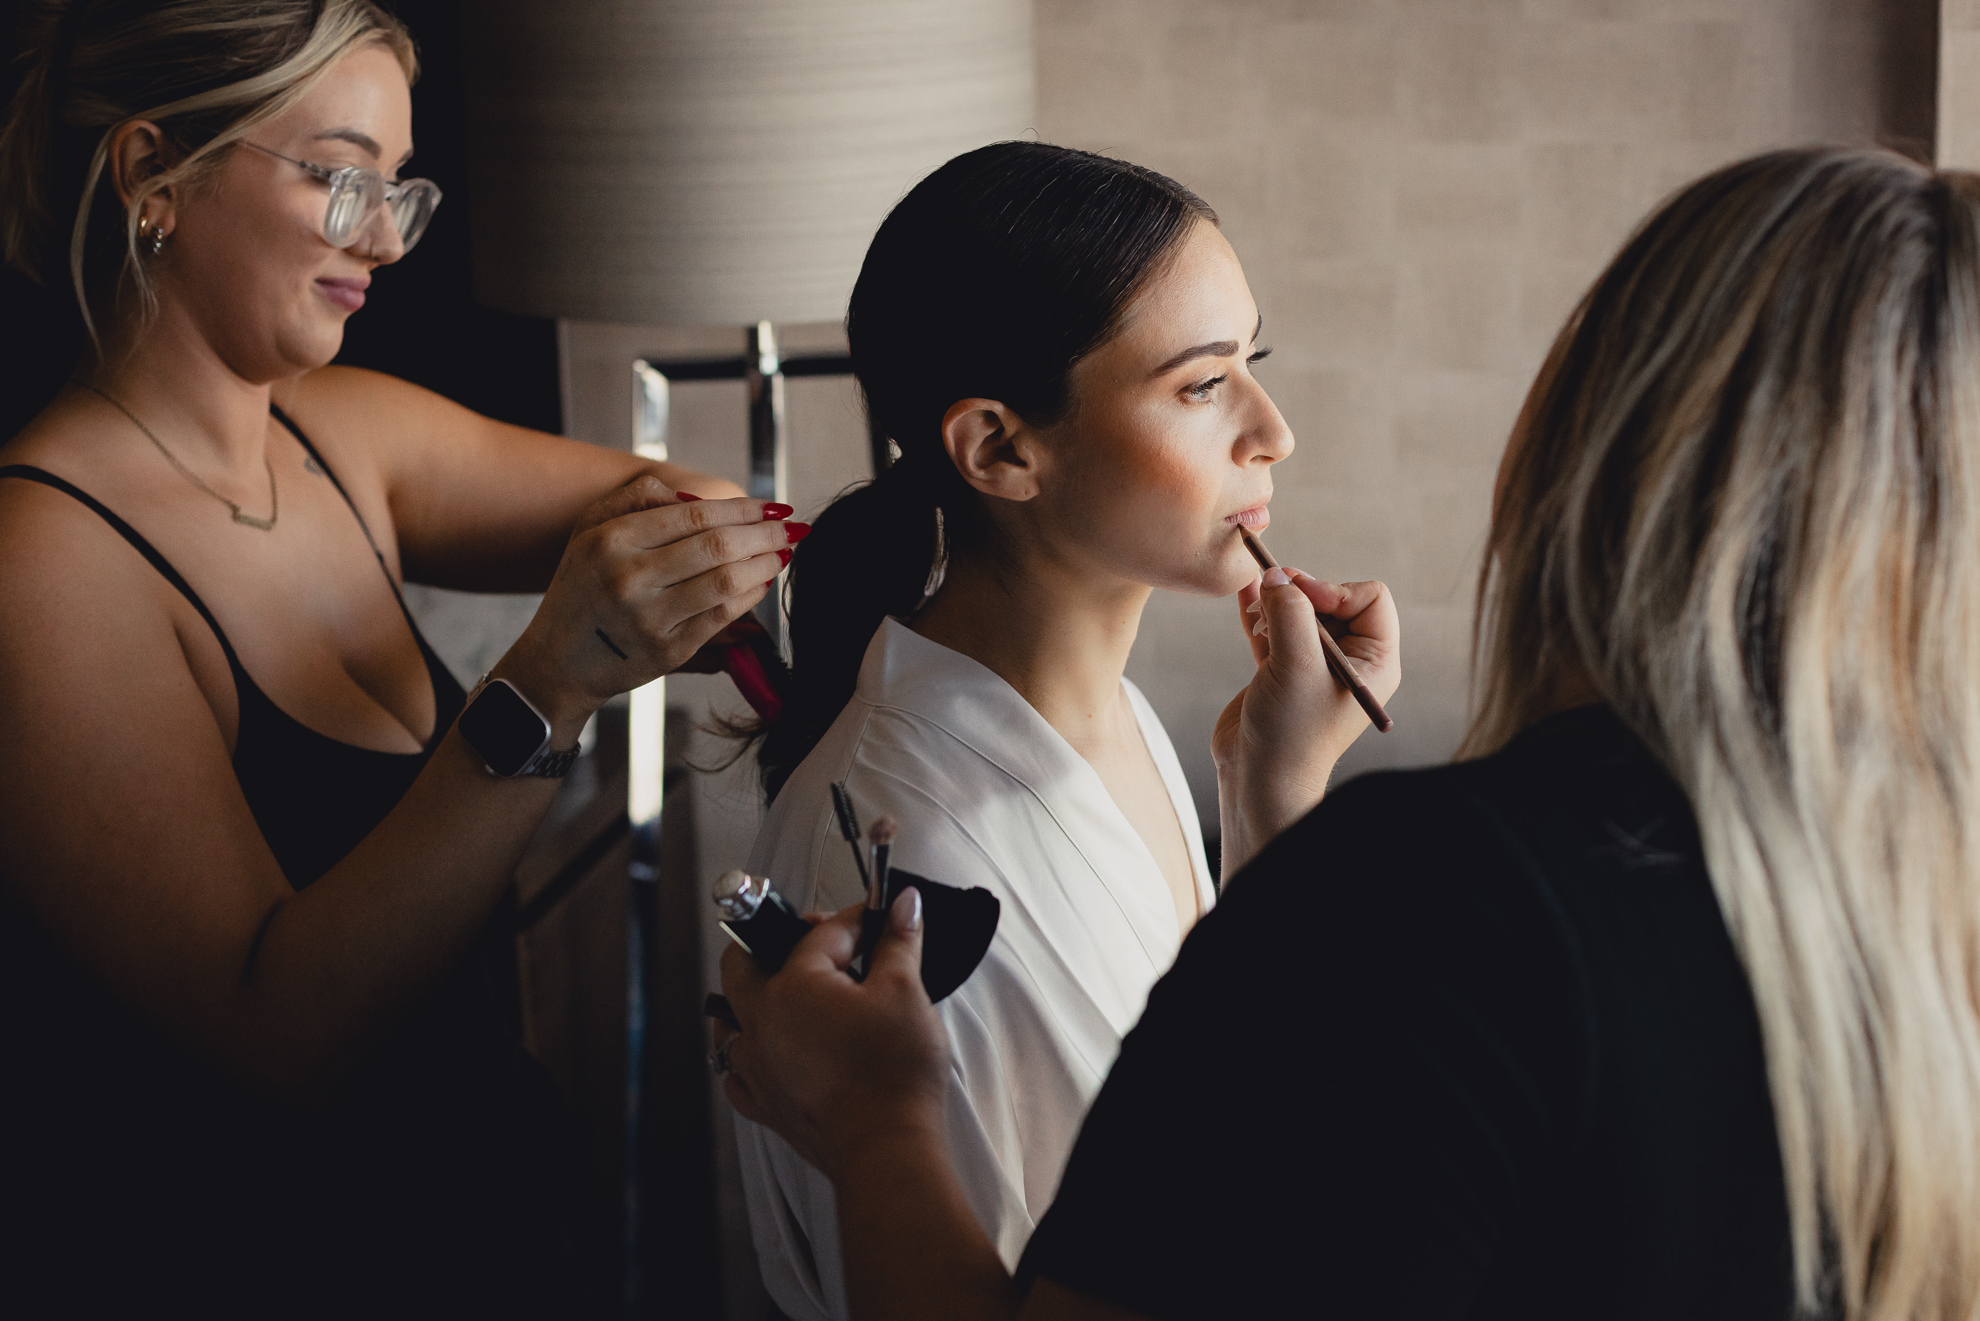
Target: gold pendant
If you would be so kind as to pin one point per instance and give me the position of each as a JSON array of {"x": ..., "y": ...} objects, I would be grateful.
[{"x": 258, "y": 524}]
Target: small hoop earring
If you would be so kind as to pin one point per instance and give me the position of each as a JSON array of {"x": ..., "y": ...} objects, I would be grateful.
[{"x": 157, "y": 239}]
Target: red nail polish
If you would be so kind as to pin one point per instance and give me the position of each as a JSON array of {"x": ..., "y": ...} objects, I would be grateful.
[
  {"x": 686, "y": 495},
  {"x": 773, "y": 510},
  {"x": 785, "y": 556},
  {"x": 796, "y": 532}
]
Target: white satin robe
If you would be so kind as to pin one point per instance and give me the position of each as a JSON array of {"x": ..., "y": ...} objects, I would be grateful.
[{"x": 986, "y": 793}]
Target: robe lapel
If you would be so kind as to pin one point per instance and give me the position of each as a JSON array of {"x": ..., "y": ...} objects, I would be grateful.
[{"x": 974, "y": 705}]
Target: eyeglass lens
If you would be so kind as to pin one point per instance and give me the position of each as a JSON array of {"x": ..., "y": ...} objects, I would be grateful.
[{"x": 356, "y": 193}]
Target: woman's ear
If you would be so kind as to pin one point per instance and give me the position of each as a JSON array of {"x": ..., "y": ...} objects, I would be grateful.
[
  {"x": 137, "y": 155},
  {"x": 992, "y": 448}
]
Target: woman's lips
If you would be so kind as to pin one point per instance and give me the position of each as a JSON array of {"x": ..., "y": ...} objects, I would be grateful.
[
  {"x": 347, "y": 293},
  {"x": 1257, "y": 518}
]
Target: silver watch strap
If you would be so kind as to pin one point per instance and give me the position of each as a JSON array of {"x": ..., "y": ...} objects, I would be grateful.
[{"x": 551, "y": 765}]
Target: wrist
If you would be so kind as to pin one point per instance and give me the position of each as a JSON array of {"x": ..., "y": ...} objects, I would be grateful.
[
  {"x": 888, "y": 1143},
  {"x": 1255, "y": 814},
  {"x": 556, "y": 701}
]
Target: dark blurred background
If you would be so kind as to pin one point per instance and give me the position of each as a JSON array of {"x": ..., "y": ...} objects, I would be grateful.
[{"x": 421, "y": 319}]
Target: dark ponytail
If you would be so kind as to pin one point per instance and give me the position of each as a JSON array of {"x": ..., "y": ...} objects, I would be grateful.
[{"x": 991, "y": 279}]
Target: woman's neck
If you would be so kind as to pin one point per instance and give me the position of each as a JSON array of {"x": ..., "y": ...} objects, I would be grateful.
[
  {"x": 1060, "y": 642},
  {"x": 179, "y": 387}
]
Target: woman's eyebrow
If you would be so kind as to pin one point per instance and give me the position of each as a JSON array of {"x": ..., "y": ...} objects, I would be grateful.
[
  {"x": 362, "y": 141},
  {"x": 1222, "y": 348}
]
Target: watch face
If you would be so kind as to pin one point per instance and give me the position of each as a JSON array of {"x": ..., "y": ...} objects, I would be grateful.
[{"x": 501, "y": 727}]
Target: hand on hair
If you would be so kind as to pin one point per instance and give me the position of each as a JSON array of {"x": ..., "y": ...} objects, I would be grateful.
[
  {"x": 646, "y": 581},
  {"x": 713, "y": 652},
  {"x": 1278, "y": 739},
  {"x": 830, "y": 1064}
]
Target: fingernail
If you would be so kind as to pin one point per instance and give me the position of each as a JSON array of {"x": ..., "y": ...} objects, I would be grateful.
[
  {"x": 774, "y": 511},
  {"x": 796, "y": 532},
  {"x": 686, "y": 495},
  {"x": 1254, "y": 607},
  {"x": 906, "y": 912},
  {"x": 1258, "y": 629},
  {"x": 1274, "y": 577},
  {"x": 785, "y": 556}
]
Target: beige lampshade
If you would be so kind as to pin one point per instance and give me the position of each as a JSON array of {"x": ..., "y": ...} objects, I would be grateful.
[{"x": 703, "y": 162}]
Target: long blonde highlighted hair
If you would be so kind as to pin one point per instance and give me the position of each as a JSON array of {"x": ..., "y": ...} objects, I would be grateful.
[
  {"x": 207, "y": 72},
  {"x": 1742, "y": 503}
]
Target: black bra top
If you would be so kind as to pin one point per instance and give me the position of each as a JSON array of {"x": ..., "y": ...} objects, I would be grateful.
[
  {"x": 313, "y": 796},
  {"x": 135, "y": 1151}
]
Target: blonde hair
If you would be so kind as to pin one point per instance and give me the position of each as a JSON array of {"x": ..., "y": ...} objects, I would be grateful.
[
  {"x": 1741, "y": 500},
  {"x": 207, "y": 72}
]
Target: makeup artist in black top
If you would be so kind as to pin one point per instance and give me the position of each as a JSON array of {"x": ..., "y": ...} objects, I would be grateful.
[
  {"x": 259, "y": 1057},
  {"x": 1660, "y": 1003}
]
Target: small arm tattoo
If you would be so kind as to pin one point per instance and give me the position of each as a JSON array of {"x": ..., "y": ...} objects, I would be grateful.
[{"x": 613, "y": 645}]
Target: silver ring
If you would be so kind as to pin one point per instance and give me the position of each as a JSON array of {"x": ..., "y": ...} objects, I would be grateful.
[{"x": 718, "y": 1058}]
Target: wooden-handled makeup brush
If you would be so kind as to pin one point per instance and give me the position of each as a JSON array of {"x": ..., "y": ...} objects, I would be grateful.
[{"x": 880, "y": 848}]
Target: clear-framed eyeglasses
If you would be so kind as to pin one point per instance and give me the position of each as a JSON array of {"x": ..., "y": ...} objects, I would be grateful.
[{"x": 356, "y": 191}]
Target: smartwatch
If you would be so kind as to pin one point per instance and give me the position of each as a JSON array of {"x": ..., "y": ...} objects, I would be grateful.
[{"x": 511, "y": 737}]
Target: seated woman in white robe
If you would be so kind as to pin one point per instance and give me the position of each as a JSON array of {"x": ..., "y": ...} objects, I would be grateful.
[{"x": 1061, "y": 346}]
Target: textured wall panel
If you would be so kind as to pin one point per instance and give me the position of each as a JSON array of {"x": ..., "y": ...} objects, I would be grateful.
[{"x": 1419, "y": 191}]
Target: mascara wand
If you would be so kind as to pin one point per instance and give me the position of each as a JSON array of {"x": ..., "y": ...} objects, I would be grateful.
[{"x": 849, "y": 827}]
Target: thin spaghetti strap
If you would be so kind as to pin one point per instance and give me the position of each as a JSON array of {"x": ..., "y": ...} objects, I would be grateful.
[
  {"x": 288, "y": 423},
  {"x": 351, "y": 504},
  {"x": 138, "y": 543}
]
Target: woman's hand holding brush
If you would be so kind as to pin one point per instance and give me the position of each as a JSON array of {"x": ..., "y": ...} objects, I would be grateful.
[{"x": 1277, "y": 742}]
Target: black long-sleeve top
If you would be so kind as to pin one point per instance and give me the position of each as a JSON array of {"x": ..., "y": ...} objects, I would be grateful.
[{"x": 1468, "y": 1042}]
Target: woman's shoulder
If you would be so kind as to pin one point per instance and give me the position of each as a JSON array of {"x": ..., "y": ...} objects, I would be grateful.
[
  {"x": 69, "y": 438},
  {"x": 353, "y": 391},
  {"x": 1579, "y": 775},
  {"x": 96, "y": 647},
  {"x": 892, "y": 762},
  {"x": 56, "y": 547},
  {"x": 923, "y": 751},
  {"x": 356, "y": 417},
  {"x": 1569, "y": 844}
]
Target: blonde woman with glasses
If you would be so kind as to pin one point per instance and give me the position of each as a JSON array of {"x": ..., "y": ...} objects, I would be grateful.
[
  {"x": 1662, "y": 1003},
  {"x": 260, "y": 1060}
]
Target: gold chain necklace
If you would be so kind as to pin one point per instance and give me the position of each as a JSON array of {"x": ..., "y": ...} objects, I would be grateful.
[{"x": 244, "y": 519}]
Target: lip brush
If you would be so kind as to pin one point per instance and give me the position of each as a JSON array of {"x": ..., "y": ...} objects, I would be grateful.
[{"x": 1337, "y": 660}]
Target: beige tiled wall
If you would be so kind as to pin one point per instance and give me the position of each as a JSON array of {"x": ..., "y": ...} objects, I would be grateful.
[
  {"x": 1959, "y": 84},
  {"x": 1420, "y": 189}
]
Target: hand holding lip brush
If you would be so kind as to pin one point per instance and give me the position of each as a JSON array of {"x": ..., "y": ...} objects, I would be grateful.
[
  {"x": 1337, "y": 660},
  {"x": 880, "y": 845}
]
